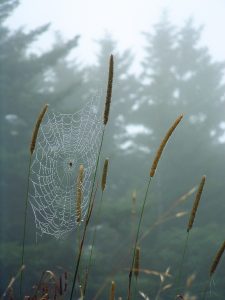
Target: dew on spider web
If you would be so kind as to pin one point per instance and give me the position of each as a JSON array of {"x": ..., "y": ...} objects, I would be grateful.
[{"x": 65, "y": 142}]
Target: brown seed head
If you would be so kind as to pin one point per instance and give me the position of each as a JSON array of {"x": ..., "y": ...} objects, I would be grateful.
[
  {"x": 217, "y": 259},
  {"x": 137, "y": 262},
  {"x": 109, "y": 91},
  {"x": 80, "y": 179},
  {"x": 162, "y": 145},
  {"x": 36, "y": 128},
  {"x": 104, "y": 173},
  {"x": 196, "y": 203},
  {"x": 112, "y": 291}
]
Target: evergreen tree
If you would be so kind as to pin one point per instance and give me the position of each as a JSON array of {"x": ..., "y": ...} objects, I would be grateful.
[
  {"x": 179, "y": 76},
  {"x": 22, "y": 96},
  {"x": 200, "y": 86},
  {"x": 65, "y": 82}
]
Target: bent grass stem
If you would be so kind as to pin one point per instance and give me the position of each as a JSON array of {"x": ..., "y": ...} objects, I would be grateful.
[
  {"x": 92, "y": 245},
  {"x": 25, "y": 223},
  {"x": 105, "y": 121},
  {"x": 82, "y": 243},
  {"x": 136, "y": 239},
  {"x": 182, "y": 262}
]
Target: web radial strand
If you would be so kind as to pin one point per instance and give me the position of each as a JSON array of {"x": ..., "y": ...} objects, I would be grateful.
[{"x": 65, "y": 142}]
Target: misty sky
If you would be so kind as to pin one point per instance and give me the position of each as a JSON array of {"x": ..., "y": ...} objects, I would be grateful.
[{"x": 123, "y": 19}]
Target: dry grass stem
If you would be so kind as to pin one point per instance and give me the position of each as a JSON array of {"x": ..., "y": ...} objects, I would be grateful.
[
  {"x": 137, "y": 262},
  {"x": 44, "y": 297},
  {"x": 12, "y": 281},
  {"x": 104, "y": 173},
  {"x": 144, "y": 296},
  {"x": 196, "y": 203},
  {"x": 162, "y": 145},
  {"x": 184, "y": 197},
  {"x": 190, "y": 280},
  {"x": 36, "y": 128},
  {"x": 112, "y": 291},
  {"x": 80, "y": 179},
  {"x": 109, "y": 91},
  {"x": 166, "y": 287},
  {"x": 217, "y": 259}
]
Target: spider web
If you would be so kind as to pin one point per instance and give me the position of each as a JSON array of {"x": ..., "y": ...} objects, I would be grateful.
[{"x": 65, "y": 141}]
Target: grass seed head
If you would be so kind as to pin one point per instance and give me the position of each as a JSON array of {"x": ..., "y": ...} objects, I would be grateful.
[
  {"x": 163, "y": 144},
  {"x": 196, "y": 203},
  {"x": 109, "y": 90},
  {"x": 216, "y": 260},
  {"x": 80, "y": 179},
  {"x": 112, "y": 291},
  {"x": 104, "y": 173},
  {"x": 137, "y": 262},
  {"x": 36, "y": 128}
]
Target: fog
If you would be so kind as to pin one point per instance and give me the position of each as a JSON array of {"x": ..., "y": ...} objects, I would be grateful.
[
  {"x": 124, "y": 20},
  {"x": 169, "y": 60}
]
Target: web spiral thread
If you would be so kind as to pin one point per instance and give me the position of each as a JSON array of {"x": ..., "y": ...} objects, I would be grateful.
[{"x": 65, "y": 142}]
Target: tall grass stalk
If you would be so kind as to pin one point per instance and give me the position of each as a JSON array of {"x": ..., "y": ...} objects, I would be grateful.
[
  {"x": 190, "y": 225},
  {"x": 178, "y": 278},
  {"x": 103, "y": 185},
  {"x": 82, "y": 243},
  {"x": 32, "y": 148},
  {"x": 91, "y": 202},
  {"x": 25, "y": 223},
  {"x": 79, "y": 199},
  {"x": 136, "y": 269},
  {"x": 152, "y": 173},
  {"x": 78, "y": 249},
  {"x": 90, "y": 206},
  {"x": 136, "y": 239}
]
